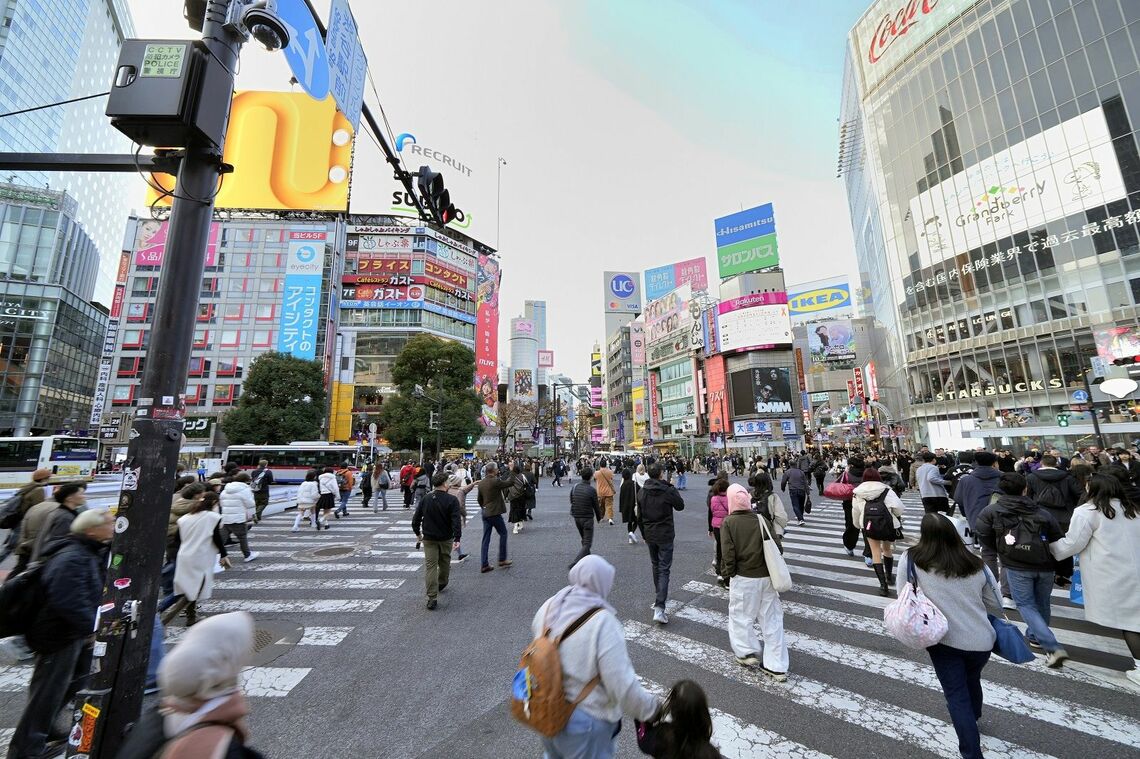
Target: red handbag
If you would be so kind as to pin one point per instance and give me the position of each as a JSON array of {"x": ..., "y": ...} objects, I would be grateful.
[{"x": 840, "y": 490}]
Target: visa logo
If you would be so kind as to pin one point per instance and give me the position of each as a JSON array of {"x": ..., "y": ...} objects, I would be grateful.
[{"x": 820, "y": 300}]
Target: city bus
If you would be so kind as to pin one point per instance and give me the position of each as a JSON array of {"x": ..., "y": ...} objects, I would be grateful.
[
  {"x": 69, "y": 458},
  {"x": 289, "y": 462}
]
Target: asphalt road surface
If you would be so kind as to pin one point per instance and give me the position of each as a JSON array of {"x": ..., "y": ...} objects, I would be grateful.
[{"x": 357, "y": 666}]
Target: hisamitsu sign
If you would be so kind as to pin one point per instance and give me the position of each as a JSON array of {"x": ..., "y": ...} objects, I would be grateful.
[{"x": 746, "y": 241}]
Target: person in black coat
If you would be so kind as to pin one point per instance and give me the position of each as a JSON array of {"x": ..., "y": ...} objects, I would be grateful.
[
  {"x": 71, "y": 584},
  {"x": 585, "y": 509},
  {"x": 855, "y": 467},
  {"x": 627, "y": 503},
  {"x": 656, "y": 504}
]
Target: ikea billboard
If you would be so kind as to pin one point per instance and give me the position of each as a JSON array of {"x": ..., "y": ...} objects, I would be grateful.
[{"x": 825, "y": 298}]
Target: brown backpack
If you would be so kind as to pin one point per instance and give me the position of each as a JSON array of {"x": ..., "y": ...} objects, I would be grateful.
[{"x": 537, "y": 698}]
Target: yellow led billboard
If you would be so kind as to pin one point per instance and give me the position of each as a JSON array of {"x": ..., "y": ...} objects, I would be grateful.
[{"x": 289, "y": 152}]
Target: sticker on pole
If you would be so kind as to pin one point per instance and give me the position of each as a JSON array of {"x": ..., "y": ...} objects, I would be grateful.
[
  {"x": 121, "y": 525},
  {"x": 131, "y": 478}
]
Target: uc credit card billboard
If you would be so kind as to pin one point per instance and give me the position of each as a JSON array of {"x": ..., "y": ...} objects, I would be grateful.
[{"x": 746, "y": 241}]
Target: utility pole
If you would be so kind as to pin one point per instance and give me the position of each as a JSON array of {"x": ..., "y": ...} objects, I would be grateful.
[{"x": 107, "y": 709}]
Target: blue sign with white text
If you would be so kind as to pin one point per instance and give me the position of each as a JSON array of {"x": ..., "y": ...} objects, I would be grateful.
[
  {"x": 305, "y": 52},
  {"x": 347, "y": 63},
  {"x": 745, "y": 225}
]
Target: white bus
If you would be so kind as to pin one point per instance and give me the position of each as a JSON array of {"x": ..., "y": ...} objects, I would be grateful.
[
  {"x": 290, "y": 462},
  {"x": 68, "y": 458}
]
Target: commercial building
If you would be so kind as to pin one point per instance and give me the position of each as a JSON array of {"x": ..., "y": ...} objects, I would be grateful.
[
  {"x": 57, "y": 50},
  {"x": 51, "y": 334},
  {"x": 523, "y": 385},
  {"x": 619, "y": 388},
  {"x": 535, "y": 311},
  {"x": 990, "y": 155}
]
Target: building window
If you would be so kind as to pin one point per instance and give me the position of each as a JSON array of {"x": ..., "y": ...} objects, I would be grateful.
[
  {"x": 238, "y": 285},
  {"x": 130, "y": 366},
  {"x": 229, "y": 368},
  {"x": 235, "y": 312},
  {"x": 122, "y": 395},
  {"x": 202, "y": 338},
  {"x": 134, "y": 338},
  {"x": 266, "y": 312},
  {"x": 194, "y": 394},
  {"x": 223, "y": 395},
  {"x": 206, "y": 313},
  {"x": 231, "y": 338},
  {"x": 142, "y": 287},
  {"x": 263, "y": 338},
  {"x": 209, "y": 287},
  {"x": 199, "y": 367},
  {"x": 269, "y": 285},
  {"x": 138, "y": 312}
]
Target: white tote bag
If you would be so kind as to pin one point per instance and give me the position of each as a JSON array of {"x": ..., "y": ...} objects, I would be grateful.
[{"x": 777, "y": 570}]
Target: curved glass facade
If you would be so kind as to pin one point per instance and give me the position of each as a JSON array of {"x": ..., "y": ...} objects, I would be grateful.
[{"x": 993, "y": 177}]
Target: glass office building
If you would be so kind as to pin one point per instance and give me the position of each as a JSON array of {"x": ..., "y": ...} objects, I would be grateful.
[{"x": 993, "y": 174}]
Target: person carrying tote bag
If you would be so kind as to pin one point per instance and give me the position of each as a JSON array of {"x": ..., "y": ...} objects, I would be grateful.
[{"x": 750, "y": 554}]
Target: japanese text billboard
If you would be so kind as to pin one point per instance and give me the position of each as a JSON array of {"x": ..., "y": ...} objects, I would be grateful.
[
  {"x": 301, "y": 301},
  {"x": 487, "y": 335},
  {"x": 757, "y": 320},
  {"x": 832, "y": 344},
  {"x": 746, "y": 241},
  {"x": 660, "y": 280}
]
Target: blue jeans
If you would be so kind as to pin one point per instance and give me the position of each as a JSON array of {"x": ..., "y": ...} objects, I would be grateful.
[
  {"x": 496, "y": 522},
  {"x": 960, "y": 673},
  {"x": 344, "y": 496},
  {"x": 584, "y": 737},
  {"x": 1030, "y": 591},
  {"x": 661, "y": 556},
  {"x": 681, "y": 481},
  {"x": 157, "y": 651},
  {"x": 798, "y": 503}
]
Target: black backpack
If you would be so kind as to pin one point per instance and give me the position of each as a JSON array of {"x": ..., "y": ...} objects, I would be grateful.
[
  {"x": 877, "y": 520},
  {"x": 1050, "y": 496},
  {"x": 1028, "y": 545},
  {"x": 21, "y": 596}
]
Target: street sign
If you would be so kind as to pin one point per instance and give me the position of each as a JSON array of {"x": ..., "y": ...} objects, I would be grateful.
[
  {"x": 305, "y": 52},
  {"x": 1099, "y": 365},
  {"x": 348, "y": 65},
  {"x": 1080, "y": 396}
]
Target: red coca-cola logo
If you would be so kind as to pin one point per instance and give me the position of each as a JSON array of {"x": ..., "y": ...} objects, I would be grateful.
[{"x": 892, "y": 28}]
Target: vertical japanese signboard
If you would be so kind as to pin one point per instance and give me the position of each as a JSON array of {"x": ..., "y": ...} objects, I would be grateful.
[
  {"x": 860, "y": 387},
  {"x": 487, "y": 335},
  {"x": 301, "y": 302}
]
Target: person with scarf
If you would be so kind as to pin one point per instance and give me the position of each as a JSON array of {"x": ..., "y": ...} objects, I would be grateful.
[
  {"x": 751, "y": 596},
  {"x": 596, "y": 649},
  {"x": 202, "y": 711}
]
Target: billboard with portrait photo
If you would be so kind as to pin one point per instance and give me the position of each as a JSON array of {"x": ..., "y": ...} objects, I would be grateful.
[
  {"x": 761, "y": 391},
  {"x": 524, "y": 384},
  {"x": 832, "y": 344}
]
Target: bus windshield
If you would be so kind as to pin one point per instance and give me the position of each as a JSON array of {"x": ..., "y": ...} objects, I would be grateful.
[{"x": 74, "y": 449}]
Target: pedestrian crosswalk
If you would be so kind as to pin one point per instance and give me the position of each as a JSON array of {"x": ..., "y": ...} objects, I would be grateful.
[{"x": 836, "y": 642}]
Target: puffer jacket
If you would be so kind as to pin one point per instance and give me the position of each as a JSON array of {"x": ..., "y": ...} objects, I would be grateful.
[
  {"x": 718, "y": 505},
  {"x": 307, "y": 494},
  {"x": 237, "y": 503},
  {"x": 869, "y": 491},
  {"x": 72, "y": 586}
]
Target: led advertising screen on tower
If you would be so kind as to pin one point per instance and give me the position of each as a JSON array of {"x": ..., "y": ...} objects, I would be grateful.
[
  {"x": 754, "y": 321},
  {"x": 763, "y": 391}
]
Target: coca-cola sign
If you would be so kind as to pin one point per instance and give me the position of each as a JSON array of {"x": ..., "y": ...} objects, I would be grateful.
[{"x": 893, "y": 29}]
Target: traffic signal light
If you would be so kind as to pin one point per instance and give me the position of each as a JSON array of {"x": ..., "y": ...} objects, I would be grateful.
[
  {"x": 470, "y": 440},
  {"x": 1062, "y": 420},
  {"x": 1127, "y": 360},
  {"x": 435, "y": 196}
]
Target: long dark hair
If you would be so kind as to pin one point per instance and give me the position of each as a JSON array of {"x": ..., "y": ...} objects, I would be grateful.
[
  {"x": 1105, "y": 487},
  {"x": 687, "y": 734},
  {"x": 941, "y": 550},
  {"x": 207, "y": 502}
]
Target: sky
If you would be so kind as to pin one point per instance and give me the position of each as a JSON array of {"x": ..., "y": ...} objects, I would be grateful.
[{"x": 626, "y": 127}]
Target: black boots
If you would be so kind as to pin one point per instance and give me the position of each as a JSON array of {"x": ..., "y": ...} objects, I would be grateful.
[
  {"x": 882, "y": 575},
  {"x": 889, "y": 565}
]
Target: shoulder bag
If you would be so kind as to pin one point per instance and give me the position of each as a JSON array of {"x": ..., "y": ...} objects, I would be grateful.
[
  {"x": 777, "y": 567},
  {"x": 840, "y": 490},
  {"x": 1009, "y": 644},
  {"x": 912, "y": 618}
]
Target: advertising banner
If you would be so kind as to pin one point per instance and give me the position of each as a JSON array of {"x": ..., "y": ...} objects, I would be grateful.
[
  {"x": 1065, "y": 169},
  {"x": 654, "y": 416},
  {"x": 151, "y": 244},
  {"x": 301, "y": 299},
  {"x": 800, "y": 381},
  {"x": 522, "y": 328},
  {"x": 623, "y": 292},
  {"x": 850, "y": 392},
  {"x": 746, "y": 241},
  {"x": 384, "y": 265},
  {"x": 637, "y": 343},
  {"x": 380, "y": 243},
  {"x": 668, "y": 315},
  {"x": 872, "y": 381},
  {"x": 817, "y": 299},
  {"x": 716, "y": 393},
  {"x": 198, "y": 427},
  {"x": 99, "y": 400},
  {"x": 660, "y": 280},
  {"x": 754, "y": 321},
  {"x": 382, "y": 292},
  {"x": 124, "y": 268},
  {"x": 638, "y": 397},
  {"x": 596, "y": 400},
  {"x": 546, "y": 359},
  {"x": 447, "y": 275},
  {"x": 860, "y": 386},
  {"x": 487, "y": 336},
  {"x": 117, "y": 301},
  {"x": 595, "y": 364},
  {"x": 1113, "y": 342},
  {"x": 761, "y": 391},
  {"x": 524, "y": 385},
  {"x": 832, "y": 344}
]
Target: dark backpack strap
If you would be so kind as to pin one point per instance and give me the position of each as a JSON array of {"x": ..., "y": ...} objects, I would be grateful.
[{"x": 576, "y": 624}]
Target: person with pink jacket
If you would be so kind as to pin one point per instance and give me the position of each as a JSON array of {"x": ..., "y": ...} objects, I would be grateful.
[{"x": 718, "y": 510}]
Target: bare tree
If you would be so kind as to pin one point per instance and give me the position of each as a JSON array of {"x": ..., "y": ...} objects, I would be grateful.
[{"x": 514, "y": 415}]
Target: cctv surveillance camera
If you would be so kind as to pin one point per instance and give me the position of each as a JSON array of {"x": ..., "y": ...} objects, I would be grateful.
[{"x": 263, "y": 25}]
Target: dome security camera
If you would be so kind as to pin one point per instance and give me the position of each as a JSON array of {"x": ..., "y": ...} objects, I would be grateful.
[{"x": 261, "y": 22}]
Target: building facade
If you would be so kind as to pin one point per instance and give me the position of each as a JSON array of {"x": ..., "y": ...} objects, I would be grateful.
[
  {"x": 56, "y": 50},
  {"x": 619, "y": 388},
  {"x": 51, "y": 335},
  {"x": 993, "y": 175}
]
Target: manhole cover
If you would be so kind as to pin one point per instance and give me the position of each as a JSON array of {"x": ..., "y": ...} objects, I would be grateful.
[
  {"x": 272, "y": 638},
  {"x": 333, "y": 551},
  {"x": 328, "y": 553},
  {"x": 262, "y": 638}
]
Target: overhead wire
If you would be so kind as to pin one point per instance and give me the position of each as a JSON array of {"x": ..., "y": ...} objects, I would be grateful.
[{"x": 54, "y": 105}]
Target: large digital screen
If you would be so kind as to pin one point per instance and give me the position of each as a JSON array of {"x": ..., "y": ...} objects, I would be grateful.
[
  {"x": 832, "y": 344},
  {"x": 754, "y": 321},
  {"x": 764, "y": 391}
]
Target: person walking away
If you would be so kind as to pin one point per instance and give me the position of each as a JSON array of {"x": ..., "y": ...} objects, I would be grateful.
[
  {"x": 718, "y": 510},
  {"x": 381, "y": 483},
  {"x": 29, "y": 495},
  {"x": 958, "y": 583},
  {"x": 585, "y": 510},
  {"x": 795, "y": 479},
  {"x": 326, "y": 496},
  {"x": 878, "y": 511},
  {"x": 819, "y": 471},
  {"x": 307, "y": 496},
  {"x": 640, "y": 476},
  {"x": 517, "y": 497},
  {"x": 71, "y": 588},
  {"x": 682, "y": 480},
  {"x": 407, "y": 478},
  {"x": 593, "y": 655},
  {"x": 964, "y": 466},
  {"x": 437, "y": 524},
  {"x": 532, "y": 492},
  {"x": 201, "y": 548},
  {"x": 975, "y": 490},
  {"x": 656, "y": 504},
  {"x": 627, "y": 503},
  {"x": 186, "y": 491},
  {"x": 420, "y": 483},
  {"x": 1105, "y": 533},
  {"x": 604, "y": 484},
  {"x": 559, "y": 470},
  {"x": 237, "y": 511},
  {"x": 1059, "y": 492},
  {"x": 489, "y": 494},
  {"x": 684, "y": 728},
  {"x": 366, "y": 488},
  {"x": 1019, "y": 531},
  {"x": 751, "y": 597},
  {"x": 459, "y": 484},
  {"x": 260, "y": 481},
  {"x": 345, "y": 482},
  {"x": 931, "y": 485},
  {"x": 854, "y": 475},
  {"x": 892, "y": 479}
]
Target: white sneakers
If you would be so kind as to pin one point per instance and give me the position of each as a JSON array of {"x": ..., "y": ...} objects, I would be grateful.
[
  {"x": 1007, "y": 603},
  {"x": 632, "y": 538},
  {"x": 251, "y": 557},
  {"x": 749, "y": 660},
  {"x": 611, "y": 522},
  {"x": 1055, "y": 659},
  {"x": 659, "y": 616}
]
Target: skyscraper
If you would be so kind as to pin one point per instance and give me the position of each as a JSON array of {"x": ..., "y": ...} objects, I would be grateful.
[{"x": 56, "y": 50}]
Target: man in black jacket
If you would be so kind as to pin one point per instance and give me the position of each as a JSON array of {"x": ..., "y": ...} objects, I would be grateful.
[
  {"x": 72, "y": 587},
  {"x": 438, "y": 525},
  {"x": 657, "y": 502},
  {"x": 1059, "y": 492},
  {"x": 586, "y": 509}
]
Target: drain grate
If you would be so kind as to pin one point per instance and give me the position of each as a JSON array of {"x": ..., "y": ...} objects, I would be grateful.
[
  {"x": 273, "y": 638},
  {"x": 262, "y": 638}
]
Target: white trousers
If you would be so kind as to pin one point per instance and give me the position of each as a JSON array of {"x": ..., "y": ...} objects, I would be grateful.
[{"x": 752, "y": 600}]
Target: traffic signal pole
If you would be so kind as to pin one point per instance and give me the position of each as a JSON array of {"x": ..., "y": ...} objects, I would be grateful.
[{"x": 106, "y": 710}]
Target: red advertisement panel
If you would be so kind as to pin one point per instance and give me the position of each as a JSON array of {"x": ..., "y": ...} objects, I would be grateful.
[
  {"x": 124, "y": 267},
  {"x": 850, "y": 392},
  {"x": 446, "y": 274},
  {"x": 860, "y": 388},
  {"x": 117, "y": 301},
  {"x": 487, "y": 336},
  {"x": 151, "y": 243},
  {"x": 654, "y": 417},
  {"x": 717, "y": 390}
]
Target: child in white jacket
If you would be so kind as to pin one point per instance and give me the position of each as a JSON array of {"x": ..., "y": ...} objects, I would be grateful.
[{"x": 307, "y": 500}]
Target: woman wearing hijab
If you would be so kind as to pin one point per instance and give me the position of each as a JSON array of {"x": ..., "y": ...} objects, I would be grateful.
[
  {"x": 595, "y": 649},
  {"x": 751, "y": 596},
  {"x": 202, "y": 711}
]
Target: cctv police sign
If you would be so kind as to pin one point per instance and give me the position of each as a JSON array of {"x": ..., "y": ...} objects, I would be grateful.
[{"x": 622, "y": 292}]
